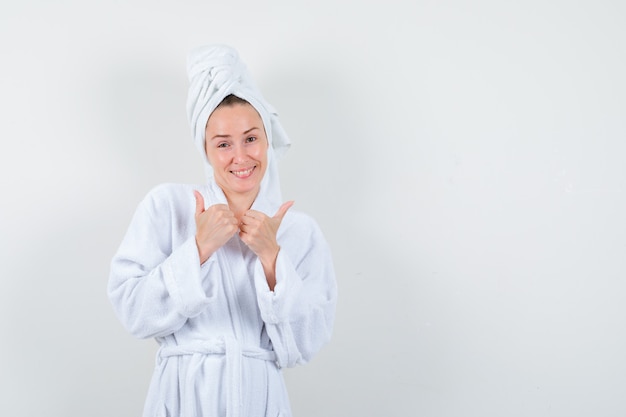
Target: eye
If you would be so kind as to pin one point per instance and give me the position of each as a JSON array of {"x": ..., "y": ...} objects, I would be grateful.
[
  {"x": 222, "y": 145},
  {"x": 251, "y": 139}
]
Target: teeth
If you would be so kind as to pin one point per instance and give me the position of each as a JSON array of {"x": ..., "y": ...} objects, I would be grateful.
[{"x": 243, "y": 173}]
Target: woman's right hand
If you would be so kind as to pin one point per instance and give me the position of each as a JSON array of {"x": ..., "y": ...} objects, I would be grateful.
[{"x": 214, "y": 227}]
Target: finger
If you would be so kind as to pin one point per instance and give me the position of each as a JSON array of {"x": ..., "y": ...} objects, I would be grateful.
[
  {"x": 220, "y": 207},
  {"x": 247, "y": 225},
  {"x": 252, "y": 214},
  {"x": 220, "y": 211},
  {"x": 283, "y": 210},
  {"x": 199, "y": 202},
  {"x": 252, "y": 218}
]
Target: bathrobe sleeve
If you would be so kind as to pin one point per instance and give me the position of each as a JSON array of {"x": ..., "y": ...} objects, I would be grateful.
[
  {"x": 155, "y": 282},
  {"x": 299, "y": 313}
]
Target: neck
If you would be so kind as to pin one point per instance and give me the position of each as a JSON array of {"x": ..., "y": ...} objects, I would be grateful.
[{"x": 240, "y": 203}]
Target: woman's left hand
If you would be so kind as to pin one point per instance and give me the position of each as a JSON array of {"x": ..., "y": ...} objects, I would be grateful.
[{"x": 258, "y": 231}]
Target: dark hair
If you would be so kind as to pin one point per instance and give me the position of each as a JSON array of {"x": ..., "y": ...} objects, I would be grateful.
[{"x": 231, "y": 100}]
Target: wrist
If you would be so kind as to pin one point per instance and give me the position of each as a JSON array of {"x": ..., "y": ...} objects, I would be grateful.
[
  {"x": 268, "y": 263},
  {"x": 203, "y": 253},
  {"x": 269, "y": 256}
]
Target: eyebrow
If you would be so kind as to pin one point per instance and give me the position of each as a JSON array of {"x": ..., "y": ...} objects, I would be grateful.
[{"x": 218, "y": 136}]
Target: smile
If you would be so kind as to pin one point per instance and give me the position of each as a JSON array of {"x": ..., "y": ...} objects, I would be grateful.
[{"x": 243, "y": 173}]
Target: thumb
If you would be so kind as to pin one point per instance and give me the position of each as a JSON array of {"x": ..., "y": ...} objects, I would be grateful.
[
  {"x": 283, "y": 209},
  {"x": 199, "y": 202}
]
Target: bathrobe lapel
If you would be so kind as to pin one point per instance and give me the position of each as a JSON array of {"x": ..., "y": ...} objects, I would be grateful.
[{"x": 237, "y": 262}]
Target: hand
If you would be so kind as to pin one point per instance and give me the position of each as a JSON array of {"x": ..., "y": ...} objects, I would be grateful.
[
  {"x": 258, "y": 231},
  {"x": 214, "y": 227}
]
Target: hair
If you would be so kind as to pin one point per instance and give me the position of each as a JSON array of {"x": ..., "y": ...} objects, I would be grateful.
[{"x": 231, "y": 100}]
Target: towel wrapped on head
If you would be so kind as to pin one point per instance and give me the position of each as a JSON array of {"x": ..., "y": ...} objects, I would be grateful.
[{"x": 216, "y": 71}]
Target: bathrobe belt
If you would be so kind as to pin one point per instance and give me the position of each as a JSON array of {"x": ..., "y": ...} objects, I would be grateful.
[{"x": 234, "y": 352}]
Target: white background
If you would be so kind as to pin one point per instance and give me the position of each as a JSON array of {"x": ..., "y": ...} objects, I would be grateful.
[{"x": 464, "y": 159}]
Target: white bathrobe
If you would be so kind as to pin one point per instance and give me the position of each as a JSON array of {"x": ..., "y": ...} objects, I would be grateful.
[{"x": 223, "y": 335}]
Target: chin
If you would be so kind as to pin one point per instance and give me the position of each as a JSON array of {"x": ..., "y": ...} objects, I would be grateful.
[{"x": 245, "y": 189}]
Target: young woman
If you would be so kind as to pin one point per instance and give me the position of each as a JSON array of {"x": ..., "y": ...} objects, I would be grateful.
[{"x": 232, "y": 283}]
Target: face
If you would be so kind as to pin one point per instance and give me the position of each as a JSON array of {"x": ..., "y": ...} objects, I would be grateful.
[{"x": 236, "y": 146}]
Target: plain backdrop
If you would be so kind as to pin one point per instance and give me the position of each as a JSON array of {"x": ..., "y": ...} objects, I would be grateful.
[{"x": 465, "y": 160}]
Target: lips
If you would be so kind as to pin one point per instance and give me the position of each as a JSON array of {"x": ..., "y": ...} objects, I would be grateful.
[{"x": 243, "y": 173}]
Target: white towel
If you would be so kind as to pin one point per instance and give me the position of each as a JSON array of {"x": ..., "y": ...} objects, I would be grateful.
[{"x": 215, "y": 71}]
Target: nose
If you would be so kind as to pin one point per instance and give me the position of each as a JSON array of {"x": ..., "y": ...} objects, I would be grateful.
[{"x": 240, "y": 154}]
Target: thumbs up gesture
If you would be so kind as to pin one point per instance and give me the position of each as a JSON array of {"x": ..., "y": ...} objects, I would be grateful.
[
  {"x": 214, "y": 227},
  {"x": 258, "y": 231}
]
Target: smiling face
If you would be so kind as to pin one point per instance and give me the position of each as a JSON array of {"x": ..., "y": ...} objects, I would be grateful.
[{"x": 236, "y": 147}]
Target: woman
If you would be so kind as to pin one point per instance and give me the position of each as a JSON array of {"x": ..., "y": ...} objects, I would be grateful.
[{"x": 232, "y": 283}]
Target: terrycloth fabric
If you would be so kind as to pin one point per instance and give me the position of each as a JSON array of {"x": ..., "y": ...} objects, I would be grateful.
[
  {"x": 214, "y": 72},
  {"x": 223, "y": 334}
]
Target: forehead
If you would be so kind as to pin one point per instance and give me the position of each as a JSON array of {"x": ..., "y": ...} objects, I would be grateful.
[{"x": 233, "y": 116}]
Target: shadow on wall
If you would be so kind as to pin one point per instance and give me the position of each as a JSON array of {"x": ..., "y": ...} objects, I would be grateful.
[
  {"x": 337, "y": 133},
  {"x": 67, "y": 344}
]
